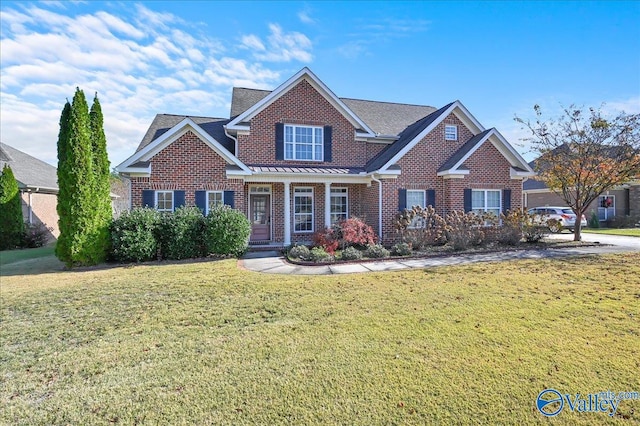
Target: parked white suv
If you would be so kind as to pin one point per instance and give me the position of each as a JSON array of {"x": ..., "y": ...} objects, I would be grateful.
[{"x": 564, "y": 217}]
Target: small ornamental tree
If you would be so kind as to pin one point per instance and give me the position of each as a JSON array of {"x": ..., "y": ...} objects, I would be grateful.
[
  {"x": 584, "y": 153},
  {"x": 11, "y": 221}
]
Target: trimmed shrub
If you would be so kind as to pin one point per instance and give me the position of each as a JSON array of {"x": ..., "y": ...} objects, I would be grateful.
[
  {"x": 401, "y": 249},
  {"x": 376, "y": 251},
  {"x": 464, "y": 230},
  {"x": 181, "y": 234},
  {"x": 318, "y": 254},
  {"x": 35, "y": 235},
  {"x": 421, "y": 227},
  {"x": 351, "y": 253},
  {"x": 594, "y": 222},
  {"x": 227, "y": 231},
  {"x": 299, "y": 252},
  {"x": 133, "y": 235}
]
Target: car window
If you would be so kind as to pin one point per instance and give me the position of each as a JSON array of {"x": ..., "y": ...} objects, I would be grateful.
[{"x": 568, "y": 211}]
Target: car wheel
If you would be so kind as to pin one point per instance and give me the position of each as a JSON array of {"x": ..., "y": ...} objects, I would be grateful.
[{"x": 554, "y": 229}]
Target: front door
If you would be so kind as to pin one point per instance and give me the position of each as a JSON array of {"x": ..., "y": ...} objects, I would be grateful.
[{"x": 260, "y": 214}]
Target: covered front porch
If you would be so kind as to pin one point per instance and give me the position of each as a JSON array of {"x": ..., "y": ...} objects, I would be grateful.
[{"x": 289, "y": 207}]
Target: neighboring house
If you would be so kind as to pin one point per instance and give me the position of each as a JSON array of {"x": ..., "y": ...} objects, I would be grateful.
[
  {"x": 298, "y": 159},
  {"x": 38, "y": 183},
  {"x": 617, "y": 202}
]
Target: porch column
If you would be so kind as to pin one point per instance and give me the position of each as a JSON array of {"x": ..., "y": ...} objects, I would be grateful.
[
  {"x": 327, "y": 204},
  {"x": 287, "y": 213}
]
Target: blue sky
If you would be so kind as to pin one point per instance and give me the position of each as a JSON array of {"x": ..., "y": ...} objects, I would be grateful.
[{"x": 143, "y": 58}]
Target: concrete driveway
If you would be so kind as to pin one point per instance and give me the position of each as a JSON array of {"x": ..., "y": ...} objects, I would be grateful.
[{"x": 630, "y": 243}]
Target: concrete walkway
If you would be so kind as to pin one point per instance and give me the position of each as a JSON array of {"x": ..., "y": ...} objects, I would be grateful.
[{"x": 272, "y": 262}]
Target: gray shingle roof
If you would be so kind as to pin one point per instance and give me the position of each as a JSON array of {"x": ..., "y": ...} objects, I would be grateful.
[
  {"x": 29, "y": 171},
  {"x": 464, "y": 149},
  {"x": 406, "y": 136},
  {"x": 213, "y": 126},
  {"x": 385, "y": 118},
  {"x": 530, "y": 184}
]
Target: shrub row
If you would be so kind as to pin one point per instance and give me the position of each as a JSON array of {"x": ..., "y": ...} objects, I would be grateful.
[
  {"x": 144, "y": 234},
  {"x": 421, "y": 228}
]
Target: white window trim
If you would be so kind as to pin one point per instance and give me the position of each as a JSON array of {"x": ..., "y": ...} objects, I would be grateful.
[
  {"x": 207, "y": 199},
  {"x": 173, "y": 201},
  {"x": 313, "y": 144},
  {"x": 313, "y": 214},
  {"x": 416, "y": 223},
  {"x": 344, "y": 195},
  {"x": 485, "y": 199},
  {"x": 447, "y": 134}
]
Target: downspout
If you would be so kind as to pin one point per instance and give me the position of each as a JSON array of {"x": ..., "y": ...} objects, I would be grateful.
[
  {"x": 30, "y": 209},
  {"x": 235, "y": 140},
  {"x": 373, "y": 178}
]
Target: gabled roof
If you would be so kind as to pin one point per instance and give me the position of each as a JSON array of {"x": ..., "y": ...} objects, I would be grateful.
[
  {"x": 161, "y": 138},
  {"x": 464, "y": 150},
  {"x": 240, "y": 121},
  {"x": 455, "y": 164},
  {"x": 29, "y": 171},
  {"x": 214, "y": 127},
  {"x": 407, "y": 137},
  {"x": 384, "y": 118}
]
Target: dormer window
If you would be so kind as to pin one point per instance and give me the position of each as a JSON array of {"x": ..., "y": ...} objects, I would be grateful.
[
  {"x": 303, "y": 143},
  {"x": 451, "y": 133}
]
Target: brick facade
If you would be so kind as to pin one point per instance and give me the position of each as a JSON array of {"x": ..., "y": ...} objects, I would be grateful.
[{"x": 189, "y": 164}]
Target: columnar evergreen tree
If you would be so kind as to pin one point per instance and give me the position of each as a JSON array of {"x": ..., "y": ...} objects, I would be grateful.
[
  {"x": 76, "y": 183},
  {"x": 64, "y": 218},
  {"x": 102, "y": 182},
  {"x": 11, "y": 221}
]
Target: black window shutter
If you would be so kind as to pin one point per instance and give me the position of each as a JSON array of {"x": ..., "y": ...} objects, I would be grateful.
[
  {"x": 402, "y": 199},
  {"x": 506, "y": 200},
  {"x": 467, "y": 200},
  {"x": 201, "y": 201},
  {"x": 279, "y": 141},
  {"x": 228, "y": 198},
  {"x": 149, "y": 198},
  {"x": 328, "y": 130},
  {"x": 178, "y": 199},
  {"x": 431, "y": 198}
]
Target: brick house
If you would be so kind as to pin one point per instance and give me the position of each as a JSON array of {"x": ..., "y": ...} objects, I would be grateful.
[{"x": 298, "y": 159}]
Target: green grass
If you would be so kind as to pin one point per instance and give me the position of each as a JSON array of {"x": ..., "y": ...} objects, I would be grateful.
[
  {"x": 629, "y": 232},
  {"x": 209, "y": 343},
  {"x": 12, "y": 256}
]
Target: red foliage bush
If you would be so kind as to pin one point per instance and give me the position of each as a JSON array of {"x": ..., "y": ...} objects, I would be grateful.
[{"x": 351, "y": 232}]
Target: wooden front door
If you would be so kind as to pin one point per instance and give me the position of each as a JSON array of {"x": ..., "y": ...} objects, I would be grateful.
[{"x": 260, "y": 216}]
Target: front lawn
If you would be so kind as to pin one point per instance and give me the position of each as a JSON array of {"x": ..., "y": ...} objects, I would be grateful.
[
  {"x": 209, "y": 343},
  {"x": 12, "y": 256},
  {"x": 629, "y": 232}
]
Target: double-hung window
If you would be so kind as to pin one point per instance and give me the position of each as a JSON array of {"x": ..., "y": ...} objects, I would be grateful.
[
  {"x": 303, "y": 209},
  {"x": 303, "y": 143},
  {"x": 164, "y": 201},
  {"x": 416, "y": 198},
  {"x": 486, "y": 201},
  {"x": 339, "y": 205},
  {"x": 214, "y": 199},
  {"x": 451, "y": 133}
]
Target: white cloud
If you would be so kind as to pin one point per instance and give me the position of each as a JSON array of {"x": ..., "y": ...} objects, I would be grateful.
[
  {"x": 305, "y": 17},
  {"x": 169, "y": 67},
  {"x": 280, "y": 46}
]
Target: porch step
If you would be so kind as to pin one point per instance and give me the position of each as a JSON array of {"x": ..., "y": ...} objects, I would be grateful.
[{"x": 267, "y": 246}]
